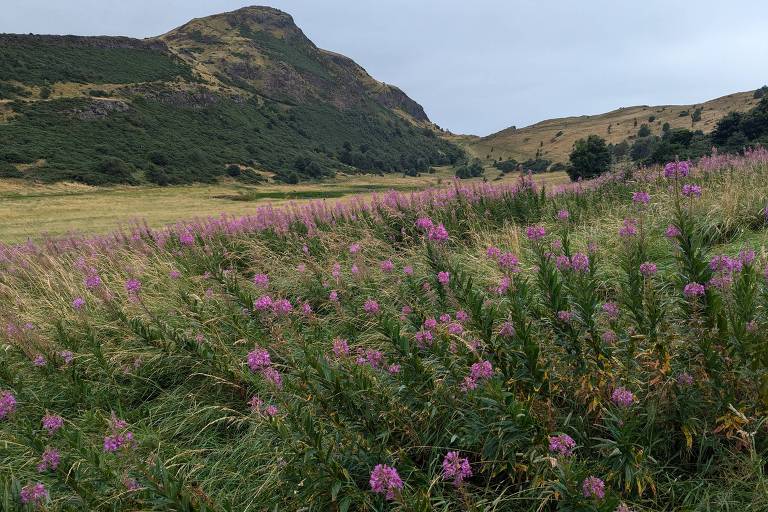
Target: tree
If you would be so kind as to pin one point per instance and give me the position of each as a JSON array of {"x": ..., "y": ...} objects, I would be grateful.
[
  {"x": 590, "y": 157},
  {"x": 644, "y": 131}
]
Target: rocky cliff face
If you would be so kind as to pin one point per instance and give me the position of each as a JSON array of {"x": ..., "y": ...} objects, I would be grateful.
[{"x": 261, "y": 49}]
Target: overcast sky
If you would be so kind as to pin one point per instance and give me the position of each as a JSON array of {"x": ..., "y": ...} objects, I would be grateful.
[{"x": 478, "y": 66}]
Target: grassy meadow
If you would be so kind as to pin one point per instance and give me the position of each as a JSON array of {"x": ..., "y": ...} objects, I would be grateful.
[
  {"x": 600, "y": 347},
  {"x": 30, "y": 211}
]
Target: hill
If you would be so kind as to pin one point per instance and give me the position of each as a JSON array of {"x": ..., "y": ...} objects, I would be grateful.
[
  {"x": 244, "y": 93},
  {"x": 553, "y": 139}
]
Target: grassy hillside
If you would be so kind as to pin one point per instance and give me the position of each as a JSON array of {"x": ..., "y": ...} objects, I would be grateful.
[
  {"x": 553, "y": 139},
  {"x": 242, "y": 93},
  {"x": 600, "y": 348}
]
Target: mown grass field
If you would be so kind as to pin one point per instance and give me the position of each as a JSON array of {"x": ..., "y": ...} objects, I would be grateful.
[
  {"x": 28, "y": 211},
  {"x": 485, "y": 347}
]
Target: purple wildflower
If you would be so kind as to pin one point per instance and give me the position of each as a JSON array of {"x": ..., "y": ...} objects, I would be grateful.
[
  {"x": 50, "y": 459},
  {"x": 34, "y": 494},
  {"x": 258, "y": 359},
  {"x": 438, "y": 233},
  {"x": 340, "y": 347},
  {"x": 354, "y": 248},
  {"x": 424, "y": 223},
  {"x": 564, "y": 316},
  {"x": 611, "y": 309},
  {"x": 641, "y": 198},
  {"x": 563, "y": 215},
  {"x": 385, "y": 480},
  {"x": 481, "y": 370},
  {"x": 78, "y": 303},
  {"x": 186, "y": 238},
  {"x": 693, "y": 289},
  {"x": 273, "y": 376},
  {"x": 609, "y": 337},
  {"x": 456, "y": 468},
  {"x": 7, "y": 404},
  {"x": 507, "y": 330},
  {"x": 593, "y": 487},
  {"x": 628, "y": 228},
  {"x": 93, "y": 281},
  {"x": 691, "y": 190},
  {"x": 492, "y": 252},
  {"x": 263, "y": 303},
  {"x": 387, "y": 266},
  {"x": 443, "y": 278},
  {"x": 562, "y": 444},
  {"x": 510, "y": 262},
  {"x": 371, "y": 307},
  {"x": 580, "y": 262},
  {"x": 52, "y": 423},
  {"x": 684, "y": 379},
  {"x": 672, "y": 231},
  {"x": 408, "y": 270},
  {"x": 67, "y": 356},
  {"x": 535, "y": 232},
  {"x": 648, "y": 269},
  {"x": 132, "y": 286},
  {"x": 261, "y": 280},
  {"x": 39, "y": 361},
  {"x": 622, "y": 397},
  {"x": 677, "y": 169}
]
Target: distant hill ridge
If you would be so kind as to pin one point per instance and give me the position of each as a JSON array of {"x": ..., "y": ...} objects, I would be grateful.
[
  {"x": 243, "y": 93},
  {"x": 553, "y": 139}
]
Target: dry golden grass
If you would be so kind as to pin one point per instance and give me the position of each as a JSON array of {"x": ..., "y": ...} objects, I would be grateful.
[
  {"x": 29, "y": 211},
  {"x": 522, "y": 143}
]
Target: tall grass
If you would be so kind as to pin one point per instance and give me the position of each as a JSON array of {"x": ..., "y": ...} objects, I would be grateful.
[{"x": 470, "y": 348}]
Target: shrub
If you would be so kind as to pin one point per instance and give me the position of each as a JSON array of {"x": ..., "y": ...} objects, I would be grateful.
[
  {"x": 590, "y": 157},
  {"x": 644, "y": 131}
]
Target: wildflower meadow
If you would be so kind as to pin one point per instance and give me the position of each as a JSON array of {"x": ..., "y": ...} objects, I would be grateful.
[{"x": 601, "y": 346}]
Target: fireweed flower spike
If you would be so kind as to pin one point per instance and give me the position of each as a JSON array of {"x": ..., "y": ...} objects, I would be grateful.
[
  {"x": 535, "y": 233},
  {"x": 52, "y": 423},
  {"x": 593, "y": 487},
  {"x": 456, "y": 468},
  {"x": 562, "y": 445},
  {"x": 641, "y": 198},
  {"x": 33, "y": 493},
  {"x": 385, "y": 480},
  {"x": 622, "y": 397},
  {"x": 693, "y": 290},
  {"x": 7, "y": 404}
]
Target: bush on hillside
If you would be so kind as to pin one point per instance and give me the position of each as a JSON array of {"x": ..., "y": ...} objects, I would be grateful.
[{"x": 590, "y": 157}]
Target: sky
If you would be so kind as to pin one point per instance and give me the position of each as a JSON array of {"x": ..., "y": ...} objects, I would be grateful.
[{"x": 479, "y": 66}]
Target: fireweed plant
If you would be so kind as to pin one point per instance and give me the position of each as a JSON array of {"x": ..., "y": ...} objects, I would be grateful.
[{"x": 597, "y": 347}]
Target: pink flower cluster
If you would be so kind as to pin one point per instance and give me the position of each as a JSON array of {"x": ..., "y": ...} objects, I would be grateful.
[
  {"x": 477, "y": 373},
  {"x": 52, "y": 423},
  {"x": 33, "y": 493},
  {"x": 562, "y": 444},
  {"x": 593, "y": 487},
  {"x": 259, "y": 361},
  {"x": 622, "y": 397},
  {"x": 456, "y": 468},
  {"x": 7, "y": 404},
  {"x": 385, "y": 480}
]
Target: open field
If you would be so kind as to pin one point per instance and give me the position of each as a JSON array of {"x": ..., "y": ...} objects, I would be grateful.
[
  {"x": 486, "y": 348},
  {"x": 555, "y": 137},
  {"x": 31, "y": 211}
]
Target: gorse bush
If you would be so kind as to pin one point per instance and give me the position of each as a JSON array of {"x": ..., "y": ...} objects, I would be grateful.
[{"x": 599, "y": 347}]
